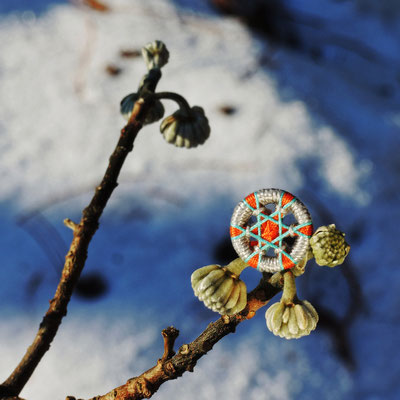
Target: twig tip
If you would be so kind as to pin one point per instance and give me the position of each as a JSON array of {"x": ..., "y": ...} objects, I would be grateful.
[{"x": 70, "y": 224}]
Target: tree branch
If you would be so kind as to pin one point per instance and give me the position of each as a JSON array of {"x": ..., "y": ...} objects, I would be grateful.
[
  {"x": 168, "y": 368},
  {"x": 77, "y": 254}
]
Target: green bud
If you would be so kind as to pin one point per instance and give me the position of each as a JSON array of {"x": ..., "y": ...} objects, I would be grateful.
[
  {"x": 154, "y": 114},
  {"x": 329, "y": 246},
  {"x": 291, "y": 320},
  {"x": 220, "y": 289},
  {"x": 186, "y": 130},
  {"x": 155, "y": 54}
]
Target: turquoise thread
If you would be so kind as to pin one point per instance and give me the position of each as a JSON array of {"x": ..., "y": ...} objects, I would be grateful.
[
  {"x": 295, "y": 230},
  {"x": 248, "y": 205},
  {"x": 259, "y": 227},
  {"x": 290, "y": 203},
  {"x": 240, "y": 228},
  {"x": 283, "y": 235},
  {"x": 280, "y": 224}
]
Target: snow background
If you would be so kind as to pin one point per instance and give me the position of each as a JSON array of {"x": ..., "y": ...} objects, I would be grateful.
[{"x": 324, "y": 129}]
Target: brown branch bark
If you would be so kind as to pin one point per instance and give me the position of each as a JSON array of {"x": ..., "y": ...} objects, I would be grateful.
[
  {"x": 169, "y": 335},
  {"x": 76, "y": 256},
  {"x": 171, "y": 367}
]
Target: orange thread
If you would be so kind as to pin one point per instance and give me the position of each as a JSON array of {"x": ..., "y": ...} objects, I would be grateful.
[
  {"x": 287, "y": 262},
  {"x": 287, "y": 198},
  {"x": 234, "y": 231},
  {"x": 97, "y": 5},
  {"x": 270, "y": 230},
  {"x": 251, "y": 200},
  {"x": 253, "y": 262},
  {"x": 306, "y": 230}
]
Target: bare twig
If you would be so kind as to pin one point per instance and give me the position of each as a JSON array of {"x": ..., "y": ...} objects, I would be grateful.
[
  {"x": 77, "y": 254},
  {"x": 70, "y": 224},
  {"x": 169, "y": 335},
  {"x": 168, "y": 367}
]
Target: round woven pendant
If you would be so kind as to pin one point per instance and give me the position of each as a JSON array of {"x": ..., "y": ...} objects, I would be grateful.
[{"x": 261, "y": 235}]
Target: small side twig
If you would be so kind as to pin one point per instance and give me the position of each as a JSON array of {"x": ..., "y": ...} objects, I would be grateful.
[
  {"x": 70, "y": 224},
  {"x": 169, "y": 334},
  {"x": 168, "y": 368},
  {"x": 77, "y": 254}
]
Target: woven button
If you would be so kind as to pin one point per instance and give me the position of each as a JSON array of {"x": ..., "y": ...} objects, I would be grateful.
[{"x": 257, "y": 230}]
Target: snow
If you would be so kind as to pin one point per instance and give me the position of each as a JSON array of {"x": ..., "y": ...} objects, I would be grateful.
[{"x": 326, "y": 131}]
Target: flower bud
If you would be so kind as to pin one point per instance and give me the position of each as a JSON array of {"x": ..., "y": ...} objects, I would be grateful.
[
  {"x": 291, "y": 320},
  {"x": 155, "y": 112},
  {"x": 155, "y": 54},
  {"x": 220, "y": 289},
  {"x": 186, "y": 130},
  {"x": 329, "y": 246}
]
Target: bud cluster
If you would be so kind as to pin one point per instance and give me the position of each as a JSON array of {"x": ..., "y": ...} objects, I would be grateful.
[
  {"x": 291, "y": 321},
  {"x": 188, "y": 126},
  {"x": 220, "y": 288},
  {"x": 329, "y": 246}
]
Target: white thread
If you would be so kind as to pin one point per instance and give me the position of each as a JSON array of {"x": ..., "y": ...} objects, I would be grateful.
[{"x": 242, "y": 214}]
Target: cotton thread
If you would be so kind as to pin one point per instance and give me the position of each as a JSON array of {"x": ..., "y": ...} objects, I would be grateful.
[{"x": 253, "y": 242}]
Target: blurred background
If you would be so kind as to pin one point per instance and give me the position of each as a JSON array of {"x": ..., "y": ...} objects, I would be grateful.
[{"x": 300, "y": 95}]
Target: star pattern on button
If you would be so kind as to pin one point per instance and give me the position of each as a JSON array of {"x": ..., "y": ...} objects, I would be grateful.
[{"x": 269, "y": 230}]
